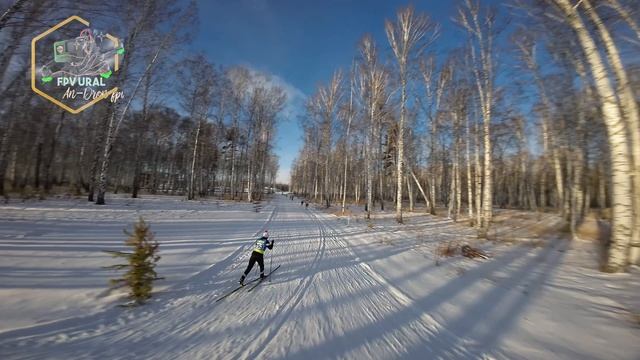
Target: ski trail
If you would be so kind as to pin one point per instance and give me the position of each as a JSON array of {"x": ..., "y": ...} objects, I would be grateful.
[
  {"x": 398, "y": 294},
  {"x": 322, "y": 292},
  {"x": 365, "y": 297},
  {"x": 99, "y": 334},
  {"x": 269, "y": 331}
]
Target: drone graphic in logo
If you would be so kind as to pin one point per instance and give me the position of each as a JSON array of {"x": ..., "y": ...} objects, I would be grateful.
[{"x": 78, "y": 71}]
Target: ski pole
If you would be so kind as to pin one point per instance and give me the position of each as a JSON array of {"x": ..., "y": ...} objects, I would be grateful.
[{"x": 270, "y": 263}]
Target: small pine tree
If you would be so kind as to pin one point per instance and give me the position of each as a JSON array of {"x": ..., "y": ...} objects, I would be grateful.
[{"x": 140, "y": 265}]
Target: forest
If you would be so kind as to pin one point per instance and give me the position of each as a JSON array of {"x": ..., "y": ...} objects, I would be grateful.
[
  {"x": 207, "y": 134},
  {"x": 334, "y": 179},
  {"x": 535, "y": 109}
]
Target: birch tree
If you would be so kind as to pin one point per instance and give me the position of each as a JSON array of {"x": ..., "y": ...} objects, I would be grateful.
[
  {"x": 116, "y": 117},
  {"x": 197, "y": 100},
  {"x": 148, "y": 19},
  {"x": 481, "y": 44},
  {"x": 328, "y": 99},
  {"x": 622, "y": 206},
  {"x": 527, "y": 46},
  {"x": 372, "y": 85},
  {"x": 432, "y": 98},
  {"x": 406, "y": 35},
  {"x": 348, "y": 114},
  {"x": 630, "y": 112}
]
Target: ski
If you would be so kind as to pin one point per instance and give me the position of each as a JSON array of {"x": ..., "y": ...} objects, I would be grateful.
[
  {"x": 236, "y": 289},
  {"x": 264, "y": 278}
]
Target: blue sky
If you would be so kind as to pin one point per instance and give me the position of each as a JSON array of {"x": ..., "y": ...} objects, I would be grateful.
[{"x": 301, "y": 43}]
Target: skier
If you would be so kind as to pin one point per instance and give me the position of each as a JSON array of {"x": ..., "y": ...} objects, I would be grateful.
[{"x": 257, "y": 254}]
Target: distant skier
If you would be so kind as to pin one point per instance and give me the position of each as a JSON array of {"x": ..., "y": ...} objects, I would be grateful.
[
  {"x": 301, "y": 202},
  {"x": 306, "y": 205},
  {"x": 259, "y": 247}
]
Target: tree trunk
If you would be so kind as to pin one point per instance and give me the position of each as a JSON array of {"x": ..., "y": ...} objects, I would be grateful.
[
  {"x": 432, "y": 160},
  {"x": 106, "y": 159},
  {"x": 487, "y": 198},
  {"x": 410, "y": 191},
  {"x": 369, "y": 172},
  {"x": 426, "y": 198},
  {"x": 400, "y": 162},
  {"x": 622, "y": 206},
  {"x": 98, "y": 140},
  {"x": 346, "y": 149},
  {"x": 631, "y": 114},
  {"x": 137, "y": 161},
  {"x": 458, "y": 187},
  {"x": 114, "y": 126},
  {"x": 191, "y": 191},
  {"x": 478, "y": 173},
  {"x": 4, "y": 147},
  {"x": 602, "y": 191},
  {"x": 469, "y": 179},
  {"x": 377, "y": 134},
  {"x": 52, "y": 152}
]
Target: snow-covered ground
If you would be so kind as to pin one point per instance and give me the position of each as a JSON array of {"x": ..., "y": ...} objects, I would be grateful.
[
  {"x": 51, "y": 255},
  {"x": 346, "y": 289}
]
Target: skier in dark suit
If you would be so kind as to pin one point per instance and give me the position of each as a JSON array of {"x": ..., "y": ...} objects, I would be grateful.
[{"x": 257, "y": 255}]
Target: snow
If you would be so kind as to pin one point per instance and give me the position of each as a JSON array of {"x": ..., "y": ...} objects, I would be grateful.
[{"x": 345, "y": 289}]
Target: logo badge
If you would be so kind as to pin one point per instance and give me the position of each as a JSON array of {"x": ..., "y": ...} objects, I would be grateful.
[{"x": 75, "y": 66}]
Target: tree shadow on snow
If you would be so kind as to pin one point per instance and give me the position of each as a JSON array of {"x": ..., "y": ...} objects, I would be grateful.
[{"x": 480, "y": 326}]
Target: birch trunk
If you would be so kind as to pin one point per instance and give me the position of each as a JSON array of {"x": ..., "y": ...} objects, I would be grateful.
[
  {"x": 380, "y": 163},
  {"x": 106, "y": 159},
  {"x": 368, "y": 161},
  {"x": 478, "y": 175},
  {"x": 482, "y": 37},
  {"x": 410, "y": 191},
  {"x": 452, "y": 190},
  {"x": 194, "y": 156},
  {"x": 432, "y": 182},
  {"x": 404, "y": 35},
  {"x": 400, "y": 161},
  {"x": 346, "y": 146},
  {"x": 622, "y": 206},
  {"x": 602, "y": 191},
  {"x": 426, "y": 198},
  {"x": 469, "y": 179},
  {"x": 631, "y": 114},
  {"x": 458, "y": 193}
]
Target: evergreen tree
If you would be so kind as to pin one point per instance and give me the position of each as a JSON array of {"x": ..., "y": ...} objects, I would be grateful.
[{"x": 141, "y": 262}]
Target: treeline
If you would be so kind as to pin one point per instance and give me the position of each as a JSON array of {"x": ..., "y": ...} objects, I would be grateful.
[
  {"x": 184, "y": 127},
  {"x": 537, "y": 109}
]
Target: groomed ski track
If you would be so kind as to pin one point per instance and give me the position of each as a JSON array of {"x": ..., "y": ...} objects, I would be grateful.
[{"x": 324, "y": 302}]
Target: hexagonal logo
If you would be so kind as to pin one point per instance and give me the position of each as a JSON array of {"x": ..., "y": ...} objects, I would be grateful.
[{"x": 75, "y": 66}]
